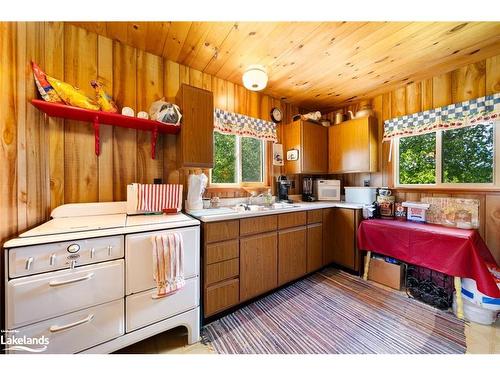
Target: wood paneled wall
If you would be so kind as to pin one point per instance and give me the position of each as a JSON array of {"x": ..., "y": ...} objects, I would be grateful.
[
  {"x": 48, "y": 162},
  {"x": 467, "y": 82}
]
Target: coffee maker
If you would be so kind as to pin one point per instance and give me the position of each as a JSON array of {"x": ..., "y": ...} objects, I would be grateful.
[
  {"x": 283, "y": 184},
  {"x": 307, "y": 189}
]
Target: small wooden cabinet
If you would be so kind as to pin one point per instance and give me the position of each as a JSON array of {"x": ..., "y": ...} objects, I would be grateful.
[
  {"x": 353, "y": 146},
  {"x": 258, "y": 264},
  {"x": 195, "y": 140},
  {"x": 292, "y": 254},
  {"x": 339, "y": 237},
  {"x": 314, "y": 247},
  {"x": 311, "y": 141}
]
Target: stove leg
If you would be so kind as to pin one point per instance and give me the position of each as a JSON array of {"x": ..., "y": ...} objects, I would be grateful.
[
  {"x": 460, "y": 302},
  {"x": 367, "y": 264}
]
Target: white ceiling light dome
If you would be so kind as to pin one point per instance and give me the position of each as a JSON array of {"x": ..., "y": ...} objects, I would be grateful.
[{"x": 255, "y": 78}]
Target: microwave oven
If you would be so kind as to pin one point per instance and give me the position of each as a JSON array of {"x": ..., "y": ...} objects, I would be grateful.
[{"x": 327, "y": 190}]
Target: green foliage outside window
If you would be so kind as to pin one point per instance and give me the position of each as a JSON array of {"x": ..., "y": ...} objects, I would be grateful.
[
  {"x": 251, "y": 160},
  {"x": 225, "y": 159},
  {"x": 224, "y": 170},
  {"x": 468, "y": 155},
  {"x": 417, "y": 159}
]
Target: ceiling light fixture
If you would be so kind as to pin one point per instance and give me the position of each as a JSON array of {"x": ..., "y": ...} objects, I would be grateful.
[{"x": 255, "y": 78}]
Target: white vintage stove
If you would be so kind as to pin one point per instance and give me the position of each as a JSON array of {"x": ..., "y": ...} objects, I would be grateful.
[{"x": 84, "y": 280}]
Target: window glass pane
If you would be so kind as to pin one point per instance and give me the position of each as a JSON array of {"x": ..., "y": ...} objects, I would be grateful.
[
  {"x": 417, "y": 159},
  {"x": 468, "y": 155},
  {"x": 224, "y": 170},
  {"x": 251, "y": 160}
]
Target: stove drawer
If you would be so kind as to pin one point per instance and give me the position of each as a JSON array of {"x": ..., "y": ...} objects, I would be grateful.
[
  {"x": 35, "y": 298},
  {"x": 78, "y": 331},
  {"x": 141, "y": 309},
  {"x": 139, "y": 257},
  {"x": 30, "y": 260}
]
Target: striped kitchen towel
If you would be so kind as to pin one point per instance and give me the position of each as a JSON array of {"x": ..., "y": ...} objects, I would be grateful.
[
  {"x": 156, "y": 197},
  {"x": 168, "y": 263}
]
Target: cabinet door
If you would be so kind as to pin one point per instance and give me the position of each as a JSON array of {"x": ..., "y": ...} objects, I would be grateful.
[
  {"x": 353, "y": 146},
  {"x": 343, "y": 227},
  {"x": 314, "y": 247},
  {"x": 314, "y": 148},
  {"x": 291, "y": 141},
  {"x": 258, "y": 264},
  {"x": 195, "y": 141},
  {"x": 334, "y": 149},
  {"x": 291, "y": 254},
  {"x": 328, "y": 235}
]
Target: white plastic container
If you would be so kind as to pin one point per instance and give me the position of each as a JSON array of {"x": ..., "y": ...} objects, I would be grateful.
[
  {"x": 416, "y": 211},
  {"x": 475, "y": 313},
  {"x": 470, "y": 292},
  {"x": 360, "y": 194}
]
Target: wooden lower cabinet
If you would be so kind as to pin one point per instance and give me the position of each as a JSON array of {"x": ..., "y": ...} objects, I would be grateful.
[
  {"x": 292, "y": 256},
  {"x": 247, "y": 257},
  {"x": 339, "y": 237},
  {"x": 258, "y": 264},
  {"x": 328, "y": 236},
  {"x": 222, "y": 296},
  {"x": 314, "y": 247}
]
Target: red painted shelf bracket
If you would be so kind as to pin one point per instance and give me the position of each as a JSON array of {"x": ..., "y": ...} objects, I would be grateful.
[
  {"x": 96, "y": 136},
  {"x": 154, "y": 138}
]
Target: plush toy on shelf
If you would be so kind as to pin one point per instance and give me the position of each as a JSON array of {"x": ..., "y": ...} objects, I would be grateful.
[{"x": 105, "y": 101}]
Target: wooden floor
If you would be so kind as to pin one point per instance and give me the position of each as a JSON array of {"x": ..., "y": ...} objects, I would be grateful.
[
  {"x": 480, "y": 340},
  {"x": 169, "y": 342}
]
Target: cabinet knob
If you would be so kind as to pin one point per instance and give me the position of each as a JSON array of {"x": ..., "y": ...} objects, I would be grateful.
[
  {"x": 72, "y": 264},
  {"x": 29, "y": 262},
  {"x": 109, "y": 250},
  {"x": 52, "y": 260},
  {"x": 92, "y": 253}
]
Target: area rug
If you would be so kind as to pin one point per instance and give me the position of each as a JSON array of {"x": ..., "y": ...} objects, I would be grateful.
[{"x": 334, "y": 312}]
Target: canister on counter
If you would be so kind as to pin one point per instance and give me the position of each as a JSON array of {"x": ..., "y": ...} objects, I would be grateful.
[
  {"x": 386, "y": 206},
  {"x": 399, "y": 211}
]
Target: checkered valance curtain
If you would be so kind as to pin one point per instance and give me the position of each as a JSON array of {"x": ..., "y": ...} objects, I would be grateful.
[
  {"x": 234, "y": 123},
  {"x": 468, "y": 113}
]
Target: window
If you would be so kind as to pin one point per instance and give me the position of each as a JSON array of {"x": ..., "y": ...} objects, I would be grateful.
[
  {"x": 463, "y": 156},
  {"x": 238, "y": 160}
]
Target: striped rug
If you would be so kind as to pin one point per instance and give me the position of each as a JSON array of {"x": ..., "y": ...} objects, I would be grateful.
[{"x": 334, "y": 312}]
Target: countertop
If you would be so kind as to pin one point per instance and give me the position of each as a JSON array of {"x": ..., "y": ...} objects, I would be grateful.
[
  {"x": 56, "y": 230},
  {"x": 226, "y": 213}
]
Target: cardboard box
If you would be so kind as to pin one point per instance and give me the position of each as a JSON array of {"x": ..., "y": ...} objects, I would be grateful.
[{"x": 388, "y": 274}]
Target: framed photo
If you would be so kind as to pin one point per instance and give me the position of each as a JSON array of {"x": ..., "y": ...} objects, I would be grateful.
[{"x": 292, "y": 154}]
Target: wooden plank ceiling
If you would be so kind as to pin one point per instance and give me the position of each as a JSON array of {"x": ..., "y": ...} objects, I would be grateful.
[{"x": 315, "y": 64}]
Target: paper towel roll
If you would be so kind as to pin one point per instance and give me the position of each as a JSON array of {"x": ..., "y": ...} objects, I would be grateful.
[{"x": 196, "y": 188}]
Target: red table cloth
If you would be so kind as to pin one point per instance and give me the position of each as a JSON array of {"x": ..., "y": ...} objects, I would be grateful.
[{"x": 453, "y": 251}]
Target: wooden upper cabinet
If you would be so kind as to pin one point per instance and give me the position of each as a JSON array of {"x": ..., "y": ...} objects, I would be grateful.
[
  {"x": 353, "y": 146},
  {"x": 195, "y": 140},
  {"x": 311, "y": 140}
]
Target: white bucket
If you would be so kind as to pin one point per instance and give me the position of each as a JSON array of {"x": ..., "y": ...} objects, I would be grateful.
[
  {"x": 470, "y": 293},
  {"x": 476, "y": 313}
]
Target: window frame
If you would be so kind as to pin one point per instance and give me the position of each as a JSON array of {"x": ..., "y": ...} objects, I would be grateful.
[
  {"x": 239, "y": 183},
  {"x": 495, "y": 185}
]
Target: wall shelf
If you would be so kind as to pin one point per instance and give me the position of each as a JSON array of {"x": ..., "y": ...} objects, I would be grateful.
[{"x": 105, "y": 118}]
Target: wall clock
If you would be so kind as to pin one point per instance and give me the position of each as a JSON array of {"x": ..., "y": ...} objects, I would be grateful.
[{"x": 276, "y": 115}]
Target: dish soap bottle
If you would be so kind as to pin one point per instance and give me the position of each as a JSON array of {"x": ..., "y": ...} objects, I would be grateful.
[{"x": 268, "y": 198}]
